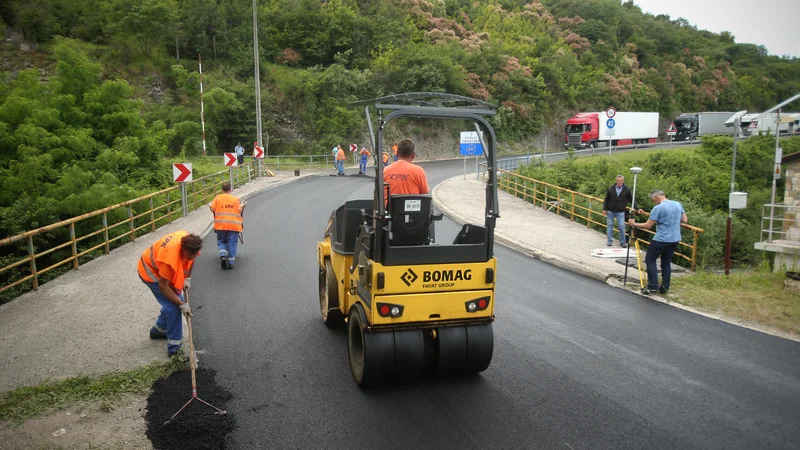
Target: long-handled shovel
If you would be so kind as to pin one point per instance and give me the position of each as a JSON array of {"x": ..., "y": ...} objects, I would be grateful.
[
  {"x": 193, "y": 365},
  {"x": 241, "y": 233}
]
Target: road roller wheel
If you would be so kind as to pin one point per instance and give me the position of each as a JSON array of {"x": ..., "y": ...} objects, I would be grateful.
[
  {"x": 464, "y": 349},
  {"x": 409, "y": 353},
  {"x": 371, "y": 354},
  {"x": 451, "y": 350},
  {"x": 329, "y": 296},
  {"x": 480, "y": 346}
]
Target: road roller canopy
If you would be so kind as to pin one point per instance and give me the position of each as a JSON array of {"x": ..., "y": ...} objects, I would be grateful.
[{"x": 435, "y": 105}]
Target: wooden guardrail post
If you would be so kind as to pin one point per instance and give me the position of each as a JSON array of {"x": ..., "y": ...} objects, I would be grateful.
[
  {"x": 169, "y": 208},
  {"x": 694, "y": 250},
  {"x": 32, "y": 256},
  {"x": 572, "y": 208},
  {"x": 74, "y": 245},
  {"x": 105, "y": 231},
  {"x": 152, "y": 216},
  {"x": 525, "y": 189},
  {"x": 534, "y": 193},
  {"x": 130, "y": 217},
  {"x": 194, "y": 194},
  {"x": 546, "y": 197},
  {"x": 558, "y": 201}
]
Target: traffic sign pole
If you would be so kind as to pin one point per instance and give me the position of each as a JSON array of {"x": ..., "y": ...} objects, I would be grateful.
[{"x": 184, "y": 201}]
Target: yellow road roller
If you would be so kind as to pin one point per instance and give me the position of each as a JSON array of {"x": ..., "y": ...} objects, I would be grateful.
[{"x": 411, "y": 305}]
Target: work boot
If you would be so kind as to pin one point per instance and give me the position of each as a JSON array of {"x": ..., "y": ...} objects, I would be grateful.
[
  {"x": 623, "y": 245},
  {"x": 157, "y": 335},
  {"x": 223, "y": 260}
]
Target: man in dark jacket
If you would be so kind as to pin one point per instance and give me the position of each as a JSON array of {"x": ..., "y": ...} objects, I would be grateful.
[{"x": 615, "y": 206}]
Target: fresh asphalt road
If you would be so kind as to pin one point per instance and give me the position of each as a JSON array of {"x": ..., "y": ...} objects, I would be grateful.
[{"x": 577, "y": 363}]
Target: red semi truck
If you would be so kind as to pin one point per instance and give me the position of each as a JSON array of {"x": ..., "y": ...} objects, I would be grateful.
[{"x": 590, "y": 130}]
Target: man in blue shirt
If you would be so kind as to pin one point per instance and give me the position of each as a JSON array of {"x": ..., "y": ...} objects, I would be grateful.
[
  {"x": 239, "y": 153},
  {"x": 667, "y": 216}
]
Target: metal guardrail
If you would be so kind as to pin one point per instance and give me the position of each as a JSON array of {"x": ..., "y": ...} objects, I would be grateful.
[
  {"x": 780, "y": 222},
  {"x": 288, "y": 162},
  {"x": 514, "y": 163},
  {"x": 581, "y": 208},
  {"x": 33, "y": 256}
]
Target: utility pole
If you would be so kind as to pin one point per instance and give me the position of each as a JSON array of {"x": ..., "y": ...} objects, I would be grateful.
[
  {"x": 257, "y": 73},
  {"x": 729, "y": 225}
]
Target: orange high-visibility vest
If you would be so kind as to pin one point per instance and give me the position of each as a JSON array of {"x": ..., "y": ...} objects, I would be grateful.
[
  {"x": 227, "y": 213},
  {"x": 165, "y": 256},
  {"x": 394, "y": 149},
  {"x": 340, "y": 155},
  {"x": 365, "y": 152}
]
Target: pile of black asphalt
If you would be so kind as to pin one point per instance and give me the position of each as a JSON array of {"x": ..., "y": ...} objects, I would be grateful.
[{"x": 197, "y": 426}]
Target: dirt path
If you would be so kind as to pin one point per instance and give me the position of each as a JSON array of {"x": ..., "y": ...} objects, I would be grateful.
[{"x": 88, "y": 425}]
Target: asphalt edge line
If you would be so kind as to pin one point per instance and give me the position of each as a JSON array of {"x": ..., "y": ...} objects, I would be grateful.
[{"x": 607, "y": 279}]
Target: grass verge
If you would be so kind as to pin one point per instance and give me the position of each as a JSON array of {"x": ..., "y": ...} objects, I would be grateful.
[
  {"x": 32, "y": 401},
  {"x": 753, "y": 296},
  {"x": 635, "y": 156}
]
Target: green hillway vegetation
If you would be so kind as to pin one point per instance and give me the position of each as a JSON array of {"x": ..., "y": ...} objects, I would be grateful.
[
  {"x": 107, "y": 94},
  {"x": 93, "y": 115},
  {"x": 699, "y": 178}
]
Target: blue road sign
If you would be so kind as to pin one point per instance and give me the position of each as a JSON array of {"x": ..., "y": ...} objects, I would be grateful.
[
  {"x": 610, "y": 123},
  {"x": 471, "y": 149}
]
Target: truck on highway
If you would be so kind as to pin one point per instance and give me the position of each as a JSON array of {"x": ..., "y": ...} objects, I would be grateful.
[
  {"x": 691, "y": 126},
  {"x": 755, "y": 123},
  {"x": 590, "y": 129}
]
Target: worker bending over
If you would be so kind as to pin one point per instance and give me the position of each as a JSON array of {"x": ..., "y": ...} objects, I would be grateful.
[{"x": 166, "y": 268}]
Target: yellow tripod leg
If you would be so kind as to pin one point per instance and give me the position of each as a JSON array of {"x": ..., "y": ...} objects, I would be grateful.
[{"x": 639, "y": 265}]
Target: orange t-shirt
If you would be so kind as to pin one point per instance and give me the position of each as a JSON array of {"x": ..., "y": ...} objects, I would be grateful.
[
  {"x": 394, "y": 150},
  {"x": 405, "y": 178},
  {"x": 340, "y": 155}
]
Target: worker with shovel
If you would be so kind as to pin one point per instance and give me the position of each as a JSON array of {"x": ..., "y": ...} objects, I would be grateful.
[
  {"x": 166, "y": 268},
  {"x": 227, "y": 212}
]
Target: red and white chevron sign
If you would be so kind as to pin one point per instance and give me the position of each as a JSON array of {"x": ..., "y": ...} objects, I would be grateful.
[
  {"x": 353, "y": 147},
  {"x": 258, "y": 152},
  {"x": 230, "y": 159},
  {"x": 181, "y": 172}
]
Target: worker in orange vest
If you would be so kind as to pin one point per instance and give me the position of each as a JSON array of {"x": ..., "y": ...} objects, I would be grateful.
[
  {"x": 340, "y": 160},
  {"x": 228, "y": 224},
  {"x": 394, "y": 149},
  {"x": 365, "y": 154},
  {"x": 166, "y": 268}
]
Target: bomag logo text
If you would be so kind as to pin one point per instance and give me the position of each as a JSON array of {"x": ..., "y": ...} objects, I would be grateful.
[{"x": 444, "y": 278}]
